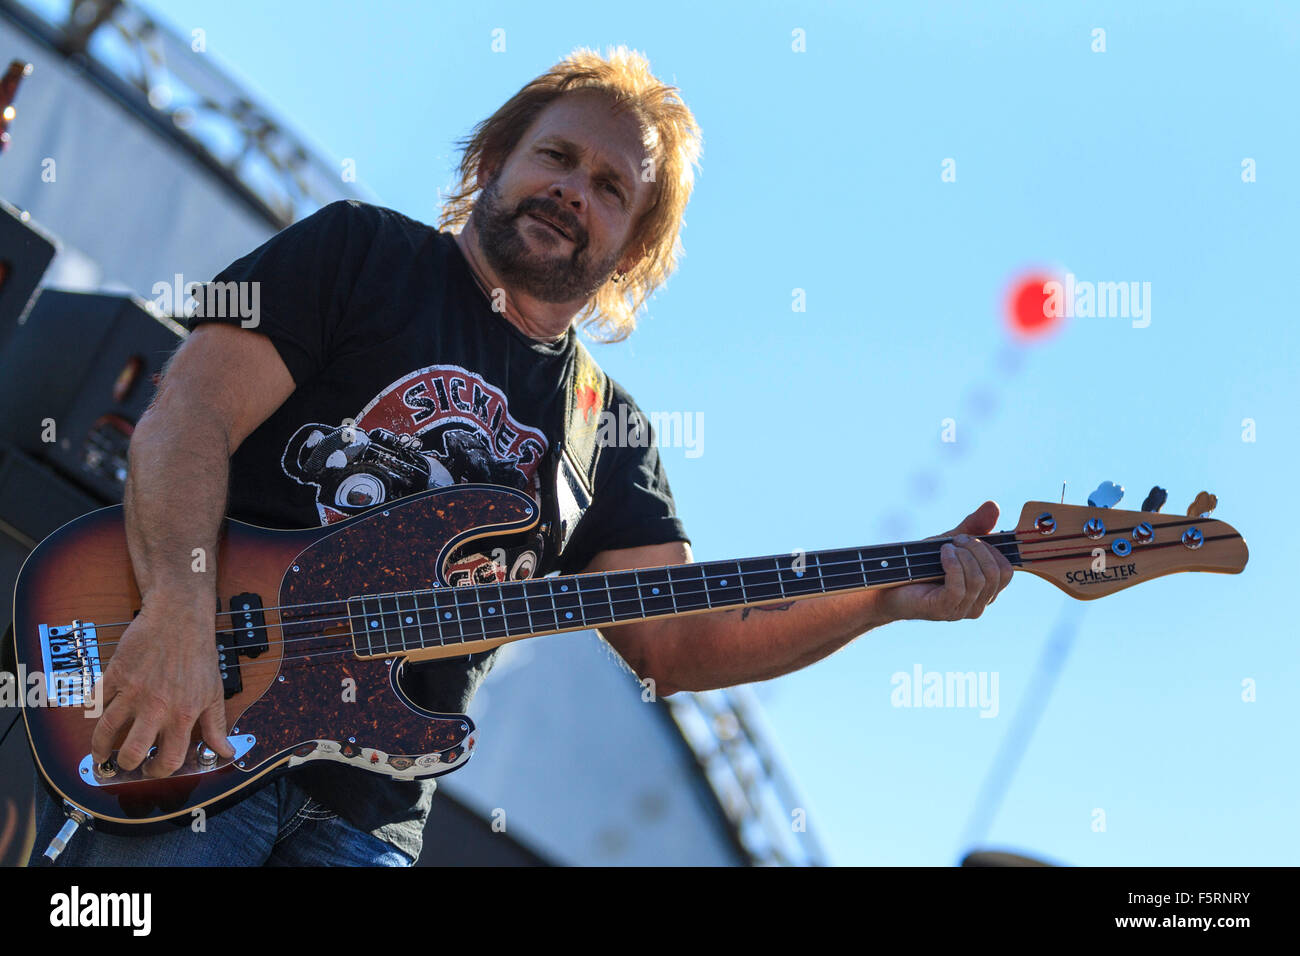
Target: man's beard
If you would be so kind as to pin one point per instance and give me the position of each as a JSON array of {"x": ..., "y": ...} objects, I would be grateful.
[{"x": 548, "y": 278}]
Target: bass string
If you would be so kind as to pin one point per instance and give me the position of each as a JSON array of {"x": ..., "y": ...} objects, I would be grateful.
[
  {"x": 679, "y": 607},
  {"x": 856, "y": 569},
  {"x": 398, "y": 651},
  {"x": 1001, "y": 545}
]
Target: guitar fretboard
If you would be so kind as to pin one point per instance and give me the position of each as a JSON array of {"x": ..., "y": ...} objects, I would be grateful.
[{"x": 392, "y": 623}]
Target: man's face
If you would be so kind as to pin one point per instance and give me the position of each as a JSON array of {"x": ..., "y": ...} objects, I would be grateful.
[{"x": 578, "y": 166}]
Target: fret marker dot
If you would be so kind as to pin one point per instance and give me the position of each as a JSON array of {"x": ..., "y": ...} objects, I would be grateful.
[
  {"x": 408, "y": 620},
  {"x": 446, "y": 614},
  {"x": 654, "y": 590},
  {"x": 723, "y": 582},
  {"x": 564, "y": 587},
  {"x": 568, "y": 614},
  {"x": 374, "y": 623},
  {"x": 492, "y": 610},
  {"x": 884, "y": 564}
]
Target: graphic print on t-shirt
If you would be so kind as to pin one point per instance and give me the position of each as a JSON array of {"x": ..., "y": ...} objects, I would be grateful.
[{"x": 436, "y": 426}]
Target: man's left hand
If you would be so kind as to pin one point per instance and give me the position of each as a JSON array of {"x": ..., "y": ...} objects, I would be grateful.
[{"x": 974, "y": 573}]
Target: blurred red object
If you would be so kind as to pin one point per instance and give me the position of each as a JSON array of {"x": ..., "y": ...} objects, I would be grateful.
[
  {"x": 1027, "y": 311},
  {"x": 8, "y": 90}
]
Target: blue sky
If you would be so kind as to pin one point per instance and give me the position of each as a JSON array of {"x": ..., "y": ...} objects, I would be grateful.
[{"x": 822, "y": 172}]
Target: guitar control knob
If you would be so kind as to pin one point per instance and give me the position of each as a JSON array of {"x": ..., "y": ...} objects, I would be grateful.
[
  {"x": 1045, "y": 523},
  {"x": 1193, "y": 538},
  {"x": 1093, "y": 528},
  {"x": 1143, "y": 533},
  {"x": 207, "y": 756},
  {"x": 108, "y": 768}
]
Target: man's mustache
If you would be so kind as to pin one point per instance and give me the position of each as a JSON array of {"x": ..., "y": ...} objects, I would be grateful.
[{"x": 555, "y": 216}]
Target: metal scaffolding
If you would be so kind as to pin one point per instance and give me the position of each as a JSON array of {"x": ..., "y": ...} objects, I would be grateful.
[
  {"x": 175, "y": 87},
  {"x": 726, "y": 731}
]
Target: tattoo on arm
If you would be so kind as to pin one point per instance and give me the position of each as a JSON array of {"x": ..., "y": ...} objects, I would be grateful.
[{"x": 744, "y": 611}]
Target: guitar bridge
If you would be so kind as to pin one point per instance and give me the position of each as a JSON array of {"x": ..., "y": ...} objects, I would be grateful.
[{"x": 70, "y": 655}]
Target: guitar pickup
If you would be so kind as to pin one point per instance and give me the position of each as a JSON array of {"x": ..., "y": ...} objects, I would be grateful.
[
  {"x": 248, "y": 624},
  {"x": 228, "y": 661}
]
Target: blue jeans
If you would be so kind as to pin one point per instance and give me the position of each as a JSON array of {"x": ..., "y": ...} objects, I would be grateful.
[{"x": 279, "y": 825}]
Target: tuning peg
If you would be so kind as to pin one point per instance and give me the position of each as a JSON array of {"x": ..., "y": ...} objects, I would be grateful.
[
  {"x": 1107, "y": 495},
  {"x": 1155, "y": 499},
  {"x": 1203, "y": 505}
]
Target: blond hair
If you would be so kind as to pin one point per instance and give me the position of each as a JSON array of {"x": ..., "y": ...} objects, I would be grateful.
[{"x": 671, "y": 136}]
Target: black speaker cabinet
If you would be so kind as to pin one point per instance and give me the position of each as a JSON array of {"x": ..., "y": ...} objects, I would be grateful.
[
  {"x": 76, "y": 376},
  {"x": 25, "y": 254}
]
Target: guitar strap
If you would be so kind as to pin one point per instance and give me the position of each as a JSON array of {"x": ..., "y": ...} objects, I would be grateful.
[{"x": 576, "y": 454}]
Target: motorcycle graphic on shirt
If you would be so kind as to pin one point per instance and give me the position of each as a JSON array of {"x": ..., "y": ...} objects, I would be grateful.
[{"x": 436, "y": 426}]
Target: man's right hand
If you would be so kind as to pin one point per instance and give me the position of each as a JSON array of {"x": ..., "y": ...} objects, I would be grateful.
[{"x": 162, "y": 680}]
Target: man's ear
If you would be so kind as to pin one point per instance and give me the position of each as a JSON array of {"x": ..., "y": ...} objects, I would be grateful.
[
  {"x": 486, "y": 170},
  {"x": 632, "y": 258}
]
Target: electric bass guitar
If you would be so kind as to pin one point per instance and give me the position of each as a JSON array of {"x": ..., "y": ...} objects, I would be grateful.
[{"x": 315, "y": 626}]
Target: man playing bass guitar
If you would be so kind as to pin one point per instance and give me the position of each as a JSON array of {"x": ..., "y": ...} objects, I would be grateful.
[{"x": 389, "y": 357}]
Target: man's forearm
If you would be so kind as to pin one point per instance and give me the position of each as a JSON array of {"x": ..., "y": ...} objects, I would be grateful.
[
  {"x": 706, "y": 651},
  {"x": 175, "y": 499}
]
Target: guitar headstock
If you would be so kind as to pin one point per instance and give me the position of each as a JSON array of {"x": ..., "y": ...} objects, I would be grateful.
[{"x": 1089, "y": 552}]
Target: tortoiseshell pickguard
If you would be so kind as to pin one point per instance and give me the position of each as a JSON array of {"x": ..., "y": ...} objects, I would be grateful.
[{"x": 323, "y": 691}]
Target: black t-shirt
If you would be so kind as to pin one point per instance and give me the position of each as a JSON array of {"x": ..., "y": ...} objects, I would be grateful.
[{"x": 407, "y": 379}]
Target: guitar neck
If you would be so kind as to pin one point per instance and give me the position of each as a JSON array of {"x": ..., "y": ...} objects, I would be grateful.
[{"x": 396, "y": 623}]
